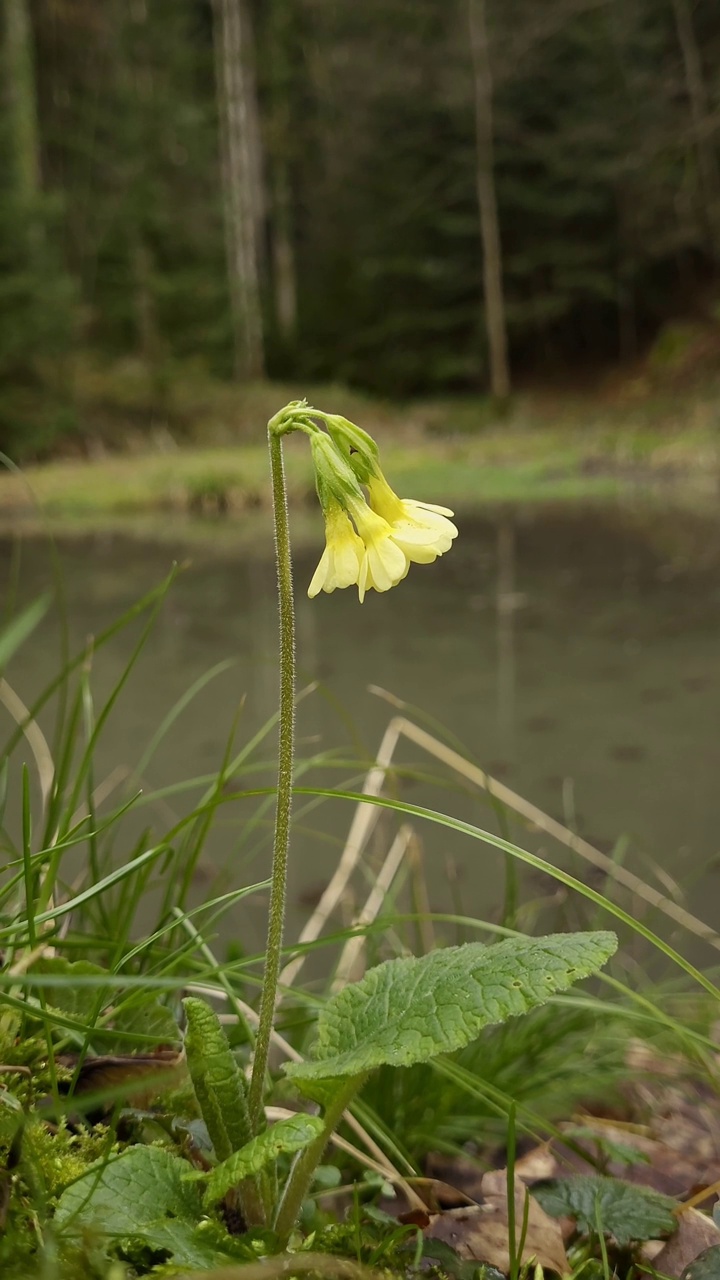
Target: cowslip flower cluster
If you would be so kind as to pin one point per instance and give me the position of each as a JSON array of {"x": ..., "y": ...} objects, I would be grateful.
[{"x": 372, "y": 540}]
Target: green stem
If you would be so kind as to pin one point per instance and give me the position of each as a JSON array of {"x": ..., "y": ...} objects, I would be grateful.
[
  {"x": 284, "y": 783},
  {"x": 303, "y": 1170}
]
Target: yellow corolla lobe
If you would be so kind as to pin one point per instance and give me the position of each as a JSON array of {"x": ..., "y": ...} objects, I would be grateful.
[
  {"x": 421, "y": 530},
  {"x": 384, "y": 563},
  {"x": 342, "y": 558}
]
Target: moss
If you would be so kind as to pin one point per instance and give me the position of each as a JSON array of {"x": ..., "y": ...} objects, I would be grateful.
[
  {"x": 39, "y": 1161},
  {"x": 56, "y": 1156}
]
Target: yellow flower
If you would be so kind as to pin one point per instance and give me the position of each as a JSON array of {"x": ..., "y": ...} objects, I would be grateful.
[
  {"x": 384, "y": 562},
  {"x": 422, "y": 531},
  {"x": 342, "y": 558},
  {"x": 388, "y": 534}
]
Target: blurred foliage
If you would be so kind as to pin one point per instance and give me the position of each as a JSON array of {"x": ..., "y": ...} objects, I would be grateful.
[{"x": 609, "y": 211}]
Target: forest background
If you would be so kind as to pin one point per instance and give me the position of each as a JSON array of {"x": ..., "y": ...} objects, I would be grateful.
[{"x": 409, "y": 197}]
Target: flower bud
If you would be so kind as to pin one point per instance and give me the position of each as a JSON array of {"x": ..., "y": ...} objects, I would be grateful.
[
  {"x": 334, "y": 479},
  {"x": 355, "y": 445}
]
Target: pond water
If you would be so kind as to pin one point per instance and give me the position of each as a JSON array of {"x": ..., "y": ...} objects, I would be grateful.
[{"x": 573, "y": 651}]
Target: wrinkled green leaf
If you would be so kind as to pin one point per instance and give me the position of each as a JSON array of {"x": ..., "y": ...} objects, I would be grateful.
[
  {"x": 624, "y": 1211},
  {"x": 410, "y": 1010},
  {"x": 151, "y": 1019},
  {"x": 283, "y": 1138},
  {"x": 217, "y": 1079},
  {"x": 80, "y": 1002},
  {"x": 140, "y": 1198}
]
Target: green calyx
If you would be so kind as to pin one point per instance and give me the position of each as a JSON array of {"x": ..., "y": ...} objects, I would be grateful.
[
  {"x": 335, "y": 479},
  {"x": 345, "y": 457},
  {"x": 295, "y": 416},
  {"x": 355, "y": 445}
]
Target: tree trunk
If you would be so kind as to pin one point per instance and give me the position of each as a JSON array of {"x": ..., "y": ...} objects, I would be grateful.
[
  {"x": 284, "y": 257},
  {"x": 487, "y": 202},
  {"x": 707, "y": 162},
  {"x": 280, "y": 144},
  {"x": 241, "y": 179},
  {"x": 22, "y": 106},
  {"x": 141, "y": 92}
]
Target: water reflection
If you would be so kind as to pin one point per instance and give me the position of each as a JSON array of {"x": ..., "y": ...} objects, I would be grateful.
[{"x": 572, "y": 651}]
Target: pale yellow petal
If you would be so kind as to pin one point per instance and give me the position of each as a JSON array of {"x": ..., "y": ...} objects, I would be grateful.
[
  {"x": 340, "y": 562},
  {"x": 428, "y": 506},
  {"x": 409, "y": 531},
  {"x": 415, "y": 553},
  {"x": 387, "y": 563},
  {"x": 348, "y": 556},
  {"x": 426, "y": 519},
  {"x": 383, "y": 499},
  {"x": 321, "y": 575},
  {"x": 363, "y": 578}
]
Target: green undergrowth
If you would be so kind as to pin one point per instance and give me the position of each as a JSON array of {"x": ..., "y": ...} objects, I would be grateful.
[
  {"x": 126, "y": 1145},
  {"x": 192, "y": 446},
  {"x": 211, "y": 487}
]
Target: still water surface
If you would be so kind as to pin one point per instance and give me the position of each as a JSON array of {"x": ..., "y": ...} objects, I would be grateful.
[{"x": 573, "y": 651}]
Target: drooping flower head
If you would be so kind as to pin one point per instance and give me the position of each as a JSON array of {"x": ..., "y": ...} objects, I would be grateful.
[
  {"x": 368, "y": 557},
  {"x": 421, "y": 530},
  {"x": 370, "y": 541}
]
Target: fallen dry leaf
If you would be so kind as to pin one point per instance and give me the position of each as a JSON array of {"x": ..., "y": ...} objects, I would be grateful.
[
  {"x": 457, "y": 1171},
  {"x": 673, "y": 1157},
  {"x": 481, "y": 1231},
  {"x": 438, "y": 1195},
  {"x": 540, "y": 1162},
  {"x": 139, "y": 1075},
  {"x": 695, "y": 1233},
  {"x": 681, "y": 1111}
]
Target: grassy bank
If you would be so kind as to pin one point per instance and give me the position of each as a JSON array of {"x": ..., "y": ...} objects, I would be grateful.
[{"x": 202, "y": 451}]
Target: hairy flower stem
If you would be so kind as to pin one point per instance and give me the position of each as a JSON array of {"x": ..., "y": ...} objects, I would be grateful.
[
  {"x": 284, "y": 784},
  {"x": 303, "y": 1170}
]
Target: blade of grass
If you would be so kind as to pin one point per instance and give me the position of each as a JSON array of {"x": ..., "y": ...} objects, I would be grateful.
[
  {"x": 131, "y": 892},
  {"x": 146, "y": 601},
  {"x": 601, "y": 1240},
  {"x": 34, "y": 737},
  {"x": 75, "y": 838},
  {"x": 199, "y": 835},
  {"x": 514, "y": 1250},
  {"x": 60, "y": 596},
  {"x": 28, "y": 870},
  {"x": 225, "y": 899},
  {"x": 4, "y": 771},
  {"x": 217, "y": 969},
  {"x": 30, "y": 893},
  {"x": 66, "y": 746},
  {"x": 542, "y": 820},
  {"x": 173, "y": 714},
  {"x": 531, "y": 859},
  {"x": 98, "y": 726},
  {"x": 92, "y": 843},
  {"x": 115, "y": 877},
  {"x": 487, "y": 837},
  {"x": 17, "y": 632}
]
